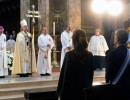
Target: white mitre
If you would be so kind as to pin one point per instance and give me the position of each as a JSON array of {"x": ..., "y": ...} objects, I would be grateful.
[{"x": 23, "y": 23}]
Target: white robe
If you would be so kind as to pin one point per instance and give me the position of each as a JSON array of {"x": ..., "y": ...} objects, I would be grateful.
[
  {"x": 10, "y": 45},
  {"x": 98, "y": 45},
  {"x": 66, "y": 41},
  {"x": 3, "y": 56},
  {"x": 44, "y": 65}
]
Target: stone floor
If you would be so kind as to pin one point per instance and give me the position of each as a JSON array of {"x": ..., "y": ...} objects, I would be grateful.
[
  {"x": 99, "y": 72},
  {"x": 54, "y": 76}
]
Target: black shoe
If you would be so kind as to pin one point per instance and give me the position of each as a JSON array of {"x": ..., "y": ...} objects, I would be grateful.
[
  {"x": 47, "y": 74},
  {"x": 42, "y": 74},
  {"x": 23, "y": 75},
  {"x": 28, "y": 74},
  {"x": 2, "y": 76}
]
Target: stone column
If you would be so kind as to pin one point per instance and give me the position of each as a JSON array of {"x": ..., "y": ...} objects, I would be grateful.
[
  {"x": 43, "y": 7},
  {"x": 24, "y": 6},
  {"x": 74, "y": 13},
  {"x": 126, "y": 14}
]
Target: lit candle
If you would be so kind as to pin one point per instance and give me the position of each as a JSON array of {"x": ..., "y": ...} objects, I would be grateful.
[{"x": 53, "y": 28}]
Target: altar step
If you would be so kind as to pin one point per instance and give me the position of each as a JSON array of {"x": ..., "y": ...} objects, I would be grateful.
[
  {"x": 20, "y": 90},
  {"x": 13, "y": 89},
  {"x": 19, "y": 94},
  {"x": 13, "y": 97}
]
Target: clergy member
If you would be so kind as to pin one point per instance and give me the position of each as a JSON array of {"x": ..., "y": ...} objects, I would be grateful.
[
  {"x": 66, "y": 41},
  {"x": 45, "y": 44},
  {"x": 11, "y": 44},
  {"x": 24, "y": 56},
  {"x": 3, "y": 54},
  {"x": 98, "y": 47}
]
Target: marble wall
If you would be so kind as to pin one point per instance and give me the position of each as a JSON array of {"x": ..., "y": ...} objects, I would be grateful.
[
  {"x": 126, "y": 15},
  {"x": 89, "y": 20},
  {"x": 126, "y": 12},
  {"x": 58, "y": 14},
  {"x": 24, "y": 6},
  {"x": 43, "y": 7},
  {"x": 74, "y": 13}
]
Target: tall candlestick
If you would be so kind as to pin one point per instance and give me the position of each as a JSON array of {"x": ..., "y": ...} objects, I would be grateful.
[
  {"x": 54, "y": 63},
  {"x": 53, "y": 28}
]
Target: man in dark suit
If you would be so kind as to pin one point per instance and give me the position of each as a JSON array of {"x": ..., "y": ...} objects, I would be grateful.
[{"x": 115, "y": 60}]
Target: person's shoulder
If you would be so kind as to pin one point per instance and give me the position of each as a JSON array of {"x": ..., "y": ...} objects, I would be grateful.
[
  {"x": 70, "y": 53},
  {"x": 3, "y": 35},
  {"x": 113, "y": 52},
  {"x": 20, "y": 33},
  {"x": 71, "y": 32},
  {"x": 118, "y": 52},
  {"x": 40, "y": 36},
  {"x": 93, "y": 37},
  {"x": 64, "y": 32},
  {"x": 121, "y": 48},
  {"x": 13, "y": 40},
  {"x": 89, "y": 53},
  {"x": 49, "y": 35},
  {"x": 101, "y": 36}
]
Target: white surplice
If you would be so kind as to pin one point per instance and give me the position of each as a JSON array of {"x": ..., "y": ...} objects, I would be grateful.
[
  {"x": 66, "y": 41},
  {"x": 3, "y": 56},
  {"x": 10, "y": 45},
  {"x": 44, "y": 65},
  {"x": 98, "y": 45}
]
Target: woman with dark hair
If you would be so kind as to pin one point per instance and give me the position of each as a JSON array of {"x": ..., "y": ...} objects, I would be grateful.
[{"x": 77, "y": 69}]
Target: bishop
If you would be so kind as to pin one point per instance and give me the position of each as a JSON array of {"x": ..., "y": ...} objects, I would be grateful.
[{"x": 22, "y": 55}]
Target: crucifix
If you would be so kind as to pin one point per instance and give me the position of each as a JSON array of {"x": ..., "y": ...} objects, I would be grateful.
[
  {"x": 33, "y": 14},
  {"x": 57, "y": 16}
]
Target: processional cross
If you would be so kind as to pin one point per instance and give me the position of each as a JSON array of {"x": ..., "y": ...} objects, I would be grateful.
[{"x": 33, "y": 14}]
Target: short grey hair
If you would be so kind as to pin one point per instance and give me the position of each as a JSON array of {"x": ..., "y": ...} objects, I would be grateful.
[{"x": 122, "y": 36}]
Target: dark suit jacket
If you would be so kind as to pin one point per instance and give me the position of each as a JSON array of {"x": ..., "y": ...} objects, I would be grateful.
[
  {"x": 76, "y": 74},
  {"x": 114, "y": 62}
]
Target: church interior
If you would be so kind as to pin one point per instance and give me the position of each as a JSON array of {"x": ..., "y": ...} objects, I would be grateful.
[{"x": 80, "y": 14}]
